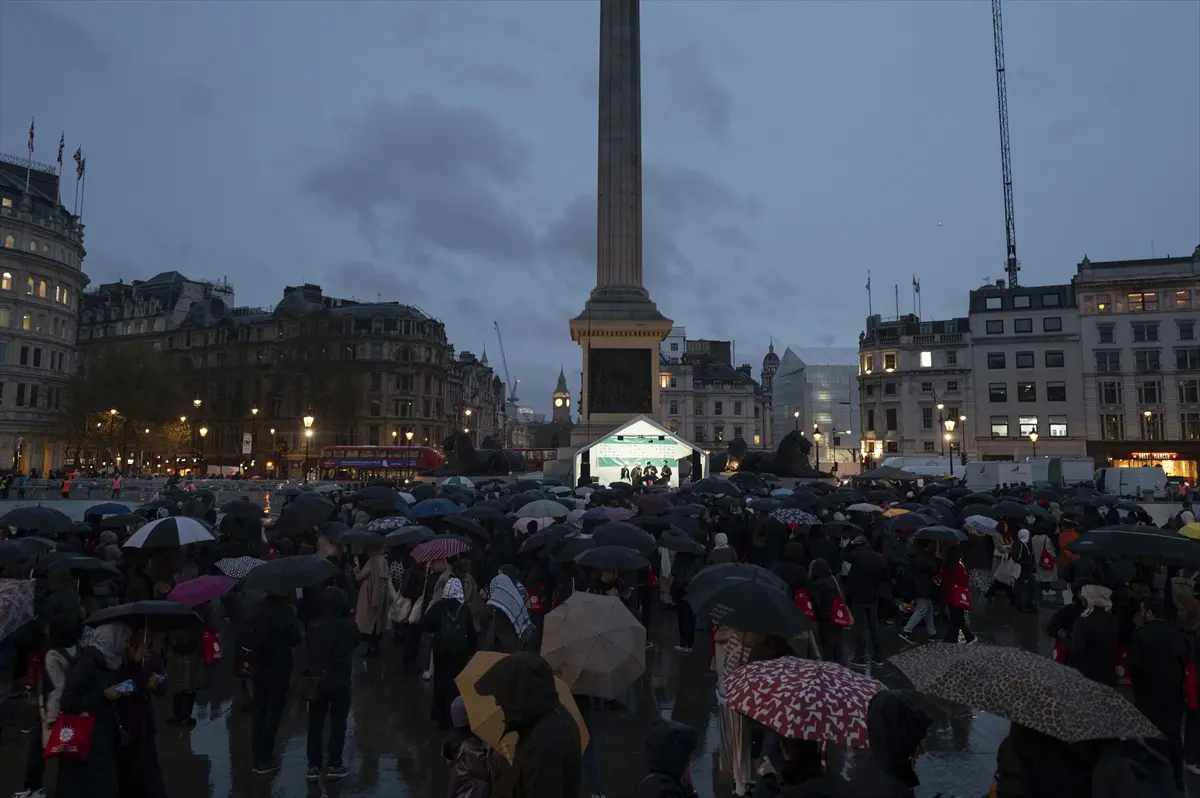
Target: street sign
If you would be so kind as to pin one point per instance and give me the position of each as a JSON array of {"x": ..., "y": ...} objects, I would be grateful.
[{"x": 247, "y": 443}]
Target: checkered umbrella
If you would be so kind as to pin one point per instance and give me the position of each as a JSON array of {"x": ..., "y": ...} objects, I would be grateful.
[
  {"x": 439, "y": 549},
  {"x": 238, "y": 567}
]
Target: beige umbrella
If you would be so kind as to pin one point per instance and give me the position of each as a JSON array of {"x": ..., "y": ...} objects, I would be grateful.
[
  {"x": 595, "y": 644},
  {"x": 487, "y": 719}
]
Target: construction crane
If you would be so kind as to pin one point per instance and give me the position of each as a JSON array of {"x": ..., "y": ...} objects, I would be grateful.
[
  {"x": 509, "y": 382},
  {"x": 1012, "y": 266}
]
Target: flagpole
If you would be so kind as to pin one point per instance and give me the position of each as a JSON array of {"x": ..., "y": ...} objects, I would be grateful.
[
  {"x": 82, "y": 187},
  {"x": 870, "y": 311},
  {"x": 75, "y": 211},
  {"x": 897, "y": 300},
  {"x": 915, "y": 289},
  {"x": 29, "y": 163}
]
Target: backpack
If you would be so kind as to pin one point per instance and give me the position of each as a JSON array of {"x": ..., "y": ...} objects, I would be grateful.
[{"x": 452, "y": 632}]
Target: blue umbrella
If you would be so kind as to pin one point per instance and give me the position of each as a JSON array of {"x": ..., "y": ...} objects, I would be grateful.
[
  {"x": 432, "y": 508},
  {"x": 107, "y": 508},
  {"x": 596, "y": 514}
]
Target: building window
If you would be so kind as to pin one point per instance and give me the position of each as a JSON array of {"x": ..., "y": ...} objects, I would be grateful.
[
  {"x": 674, "y": 408},
  {"x": 890, "y": 418},
  {"x": 5, "y": 317},
  {"x": 6, "y": 281},
  {"x": 995, "y": 360},
  {"x": 674, "y": 346},
  {"x": 24, "y": 361},
  {"x": 376, "y": 381},
  {"x": 699, "y": 407},
  {"x": 1021, "y": 301},
  {"x": 1106, "y": 333},
  {"x": 1108, "y": 360},
  {"x": 719, "y": 433},
  {"x": 1187, "y": 359},
  {"x": 871, "y": 419},
  {"x": 870, "y": 389},
  {"x": 717, "y": 408},
  {"x": 951, "y": 386},
  {"x": 737, "y": 411},
  {"x": 889, "y": 389},
  {"x": 1112, "y": 427},
  {"x": 1052, "y": 324},
  {"x": 927, "y": 387},
  {"x": 1050, "y": 300},
  {"x": 889, "y": 362},
  {"x": 1023, "y": 325},
  {"x": 9, "y": 241},
  {"x": 1139, "y": 303},
  {"x": 891, "y": 447},
  {"x": 994, "y": 327},
  {"x": 952, "y": 358},
  {"x": 1189, "y": 426},
  {"x": 869, "y": 363},
  {"x": 26, "y": 321},
  {"x": 674, "y": 382},
  {"x": 1026, "y": 391},
  {"x": 1152, "y": 426},
  {"x": 1183, "y": 299},
  {"x": 1025, "y": 360},
  {"x": 33, "y": 247},
  {"x": 1189, "y": 391},
  {"x": 992, "y": 303},
  {"x": 1058, "y": 426},
  {"x": 999, "y": 426},
  {"x": 1145, "y": 332},
  {"x": 3, "y": 353},
  {"x": 1026, "y": 425},
  {"x": 1108, "y": 392},
  {"x": 1187, "y": 330},
  {"x": 1149, "y": 392},
  {"x": 699, "y": 436},
  {"x": 997, "y": 392},
  {"x": 29, "y": 286},
  {"x": 927, "y": 446},
  {"x": 1146, "y": 360},
  {"x": 926, "y": 360},
  {"x": 37, "y": 357},
  {"x": 1055, "y": 359},
  {"x": 42, "y": 289},
  {"x": 20, "y": 394},
  {"x": 1056, "y": 392},
  {"x": 926, "y": 418},
  {"x": 737, "y": 432}
]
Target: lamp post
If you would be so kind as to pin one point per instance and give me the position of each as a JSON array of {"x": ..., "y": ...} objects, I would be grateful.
[
  {"x": 253, "y": 432},
  {"x": 942, "y": 420},
  {"x": 274, "y": 454},
  {"x": 467, "y": 425},
  {"x": 197, "y": 402},
  {"x": 408, "y": 435},
  {"x": 112, "y": 423},
  {"x": 949, "y": 425},
  {"x": 1033, "y": 436},
  {"x": 203, "y": 435},
  {"x": 962, "y": 435},
  {"x": 796, "y": 416},
  {"x": 817, "y": 439},
  {"x": 308, "y": 433}
]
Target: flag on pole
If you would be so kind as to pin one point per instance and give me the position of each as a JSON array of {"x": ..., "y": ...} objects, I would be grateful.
[
  {"x": 31, "y": 122},
  {"x": 62, "y": 142},
  {"x": 868, "y": 281},
  {"x": 916, "y": 285},
  {"x": 79, "y": 162}
]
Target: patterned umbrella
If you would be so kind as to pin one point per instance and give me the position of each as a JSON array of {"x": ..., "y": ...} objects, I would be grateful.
[
  {"x": 458, "y": 482},
  {"x": 595, "y": 644},
  {"x": 804, "y": 699},
  {"x": 238, "y": 567},
  {"x": 792, "y": 516},
  {"x": 170, "y": 532},
  {"x": 1051, "y": 698},
  {"x": 441, "y": 548},
  {"x": 16, "y": 605},
  {"x": 387, "y": 524}
]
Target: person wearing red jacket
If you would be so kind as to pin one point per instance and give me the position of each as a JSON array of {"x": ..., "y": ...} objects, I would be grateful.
[{"x": 956, "y": 595}]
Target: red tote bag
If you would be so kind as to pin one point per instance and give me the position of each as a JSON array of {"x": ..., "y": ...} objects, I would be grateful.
[
  {"x": 805, "y": 604},
  {"x": 1191, "y": 696},
  {"x": 71, "y": 737},
  {"x": 1046, "y": 561},
  {"x": 1123, "y": 677},
  {"x": 212, "y": 647},
  {"x": 961, "y": 598}
]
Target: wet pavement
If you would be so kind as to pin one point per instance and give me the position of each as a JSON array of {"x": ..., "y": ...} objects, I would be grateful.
[{"x": 394, "y": 750}]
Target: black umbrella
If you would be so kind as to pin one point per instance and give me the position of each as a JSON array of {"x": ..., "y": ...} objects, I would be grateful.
[
  {"x": 975, "y": 498},
  {"x": 692, "y": 510},
  {"x": 547, "y": 536},
  {"x": 243, "y": 509},
  {"x": 707, "y": 577},
  {"x": 843, "y": 529},
  {"x": 689, "y": 525},
  {"x": 613, "y": 558},
  {"x": 484, "y": 512},
  {"x": 378, "y": 493},
  {"x": 361, "y": 537},
  {"x": 572, "y": 546},
  {"x": 408, "y": 536},
  {"x": 121, "y": 521},
  {"x": 43, "y": 520},
  {"x": 622, "y": 533},
  {"x": 674, "y": 541},
  {"x": 334, "y": 530},
  {"x": 161, "y": 616},
  {"x": 1139, "y": 542},
  {"x": 751, "y": 605},
  {"x": 303, "y": 514},
  {"x": 765, "y": 505},
  {"x": 940, "y": 533},
  {"x": 285, "y": 574},
  {"x": 18, "y": 549},
  {"x": 1013, "y": 511},
  {"x": 908, "y": 522},
  {"x": 1046, "y": 494},
  {"x": 717, "y": 487},
  {"x": 92, "y": 566},
  {"x": 975, "y": 509},
  {"x": 470, "y": 527},
  {"x": 655, "y": 523}
]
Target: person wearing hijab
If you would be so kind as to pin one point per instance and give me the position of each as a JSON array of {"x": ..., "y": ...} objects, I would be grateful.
[
  {"x": 89, "y": 687},
  {"x": 454, "y": 641},
  {"x": 505, "y": 626},
  {"x": 721, "y": 552},
  {"x": 1024, "y": 588},
  {"x": 1092, "y": 649}
]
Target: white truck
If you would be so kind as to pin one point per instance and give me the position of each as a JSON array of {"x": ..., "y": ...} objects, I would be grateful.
[
  {"x": 984, "y": 475},
  {"x": 1143, "y": 482},
  {"x": 1061, "y": 470},
  {"x": 926, "y": 466}
]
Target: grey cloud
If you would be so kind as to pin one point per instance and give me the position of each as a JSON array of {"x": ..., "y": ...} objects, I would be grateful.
[
  {"x": 689, "y": 88},
  {"x": 367, "y": 282},
  {"x": 188, "y": 95},
  {"x": 441, "y": 172},
  {"x": 40, "y": 30}
]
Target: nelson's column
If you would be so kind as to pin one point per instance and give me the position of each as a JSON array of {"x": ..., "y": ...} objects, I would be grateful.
[{"x": 620, "y": 328}]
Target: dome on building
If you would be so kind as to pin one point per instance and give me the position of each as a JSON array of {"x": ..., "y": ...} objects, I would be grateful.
[{"x": 771, "y": 358}]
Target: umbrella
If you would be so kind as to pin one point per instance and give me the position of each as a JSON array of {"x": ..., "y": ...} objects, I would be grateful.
[
  {"x": 543, "y": 508},
  {"x": 105, "y": 508},
  {"x": 706, "y": 577},
  {"x": 752, "y": 605},
  {"x": 440, "y": 548},
  {"x": 243, "y": 509},
  {"x": 16, "y": 605},
  {"x": 1191, "y": 531},
  {"x": 42, "y": 520},
  {"x": 691, "y": 510},
  {"x": 571, "y": 547},
  {"x": 195, "y": 592},
  {"x": 170, "y": 532},
  {"x": 619, "y": 533},
  {"x": 909, "y": 522},
  {"x": 18, "y": 549},
  {"x": 560, "y": 490},
  {"x": 765, "y": 505},
  {"x": 981, "y": 525},
  {"x": 521, "y": 525},
  {"x": 408, "y": 497},
  {"x": 680, "y": 543},
  {"x": 161, "y": 616},
  {"x": 612, "y": 558},
  {"x": 361, "y": 537},
  {"x": 121, "y": 521},
  {"x": 863, "y": 507},
  {"x": 1011, "y": 510},
  {"x": 408, "y": 536},
  {"x": 804, "y": 699},
  {"x": 334, "y": 531},
  {"x": 434, "y": 508},
  {"x": 484, "y": 512},
  {"x": 387, "y": 524},
  {"x": 940, "y": 533},
  {"x": 1135, "y": 542},
  {"x": 303, "y": 514},
  {"x": 793, "y": 517},
  {"x": 75, "y": 562},
  {"x": 842, "y": 529},
  {"x": 237, "y": 567},
  {"x": 472, "y": 528},
  {"x": 652, "y": 503},
  {"x": 546, "y": 537},
  {"x": 717, "y": 487},
  {"x": 596, "y": 644},
  {"x": 485, "y": 715},
  {"x": 458, "y": 482},
  {"x": 781, "y": 492},
  {"x": 285, "y": 574},
  {"x": 1056, "y": 700}
]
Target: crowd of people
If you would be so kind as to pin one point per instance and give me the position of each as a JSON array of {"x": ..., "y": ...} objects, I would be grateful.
[{"x": 850, "y": 561}]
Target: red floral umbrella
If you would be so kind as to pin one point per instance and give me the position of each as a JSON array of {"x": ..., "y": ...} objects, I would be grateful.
[
  {"x": 440, "y": 548},
  {"x": 804, "y": 699}
]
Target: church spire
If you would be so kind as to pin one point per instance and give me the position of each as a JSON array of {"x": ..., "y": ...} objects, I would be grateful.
[{"x": 561, "y": 387}]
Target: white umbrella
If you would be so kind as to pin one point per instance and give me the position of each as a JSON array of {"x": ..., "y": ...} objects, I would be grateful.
[
  {"x": 560, "y": 490},
  {"x": 863, "y": 507},
  {"x": 461, "y": 482},
  {"x": 543, "y": 508},
  {"x": 981, "y": 524},
  {"x": 408, "y": 497},
  {"x": 169, "y": 532}
]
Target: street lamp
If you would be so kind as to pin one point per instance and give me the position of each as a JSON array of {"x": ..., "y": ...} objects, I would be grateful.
[
  {"x": 196, "y": 403},
  {"x": 253, "y": 431},
  {"x": 203, "y": 435},
  {"x": 817, "y": 438},
  {"x": 949, "y": 425},
  {"x": 308, "y": 433},
  {"x": 408, "y": 435},
  {"x": 796, "y": 415},
  {"x": 1033, "y": 436}
]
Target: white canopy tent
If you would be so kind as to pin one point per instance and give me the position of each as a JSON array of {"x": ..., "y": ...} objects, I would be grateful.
[{"x": 639, "y": 441}]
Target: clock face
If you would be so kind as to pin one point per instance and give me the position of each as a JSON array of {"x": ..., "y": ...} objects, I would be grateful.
[
  {"x": 558, "y": 402},
  {"x": 567, "y": 402}
]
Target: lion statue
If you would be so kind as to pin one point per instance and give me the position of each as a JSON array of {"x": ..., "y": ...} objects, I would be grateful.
[
  {"x": 464, "y": 460},
  {"x": 790, "y": 460}
]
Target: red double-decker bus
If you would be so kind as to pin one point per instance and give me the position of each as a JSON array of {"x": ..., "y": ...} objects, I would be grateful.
[{"x": 383, "y": 462}]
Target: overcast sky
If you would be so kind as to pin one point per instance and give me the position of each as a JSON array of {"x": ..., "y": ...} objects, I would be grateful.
[{"x": 443, "y": 154}]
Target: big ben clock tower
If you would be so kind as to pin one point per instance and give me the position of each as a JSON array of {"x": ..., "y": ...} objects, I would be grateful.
[{"x": 562, "y": 400}]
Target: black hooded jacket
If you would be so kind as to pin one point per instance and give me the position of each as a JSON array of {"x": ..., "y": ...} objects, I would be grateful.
[
  {"x": 332, "y": 638},
  {"x": 274, "y": 631},
  {"x": 548, "y": 759},
  {"x": 895, "y": 729},
  {"x": 669, "y": 747}
]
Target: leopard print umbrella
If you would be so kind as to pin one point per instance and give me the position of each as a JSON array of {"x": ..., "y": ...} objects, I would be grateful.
[{"x": 1024, "y": 687}]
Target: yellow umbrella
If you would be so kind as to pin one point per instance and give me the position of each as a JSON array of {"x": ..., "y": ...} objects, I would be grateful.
[
  {"x": 894, "y": 511},
  {"x": 1191, "y": 531},
  {"x": 487, "y": 719}
]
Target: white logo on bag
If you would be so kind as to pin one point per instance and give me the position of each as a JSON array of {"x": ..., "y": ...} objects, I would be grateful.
[{"x": 66, "y": 734}]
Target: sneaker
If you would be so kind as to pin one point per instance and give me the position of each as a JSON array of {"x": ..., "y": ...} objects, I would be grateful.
[
  {"x": 426, "y": 675},
  {"x": 877, "y": 660},
  {"x": 336, "y": 773},
  {"x": 313, "y": 774},
  {"x": 973, "y": 641},
  {"x": 265, "y": 768},
  {"x": 680, "y": 649},
  {"x": 38, "y": 793},
  {"x": 906, "y": 636},
  {"x": 1193, "y": 769},
  {"x": 859, "y": 662}
]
